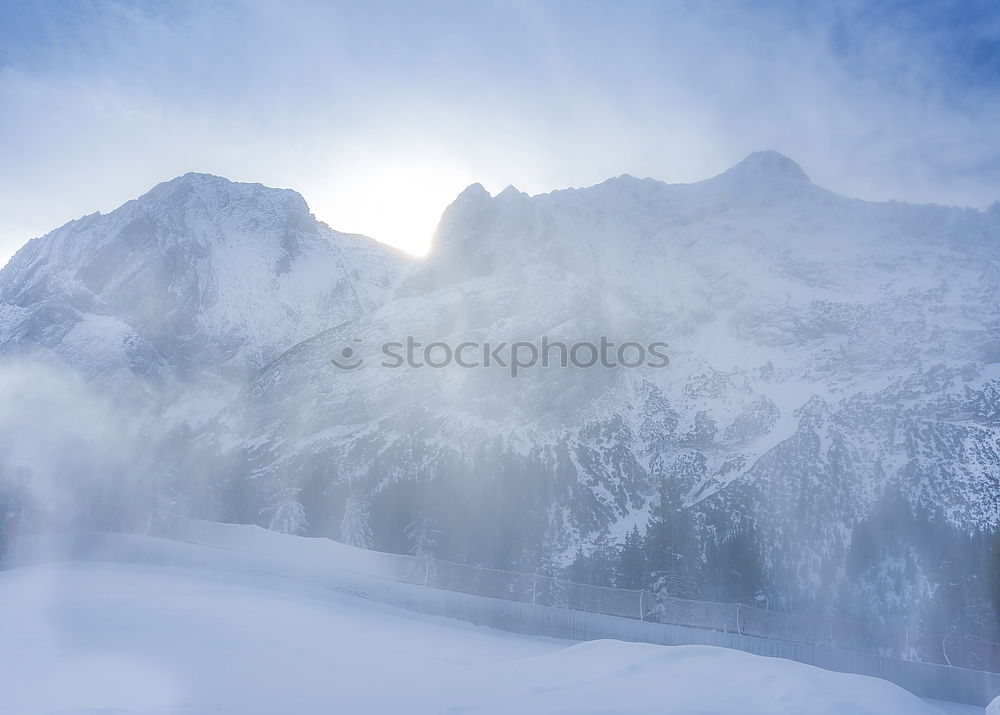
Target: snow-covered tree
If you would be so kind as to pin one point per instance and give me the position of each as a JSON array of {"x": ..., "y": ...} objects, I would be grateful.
[
  {"x": 354, "y": 526},
  {"x": 422, "y": 536},
  {"x": 285, "y": 513}
]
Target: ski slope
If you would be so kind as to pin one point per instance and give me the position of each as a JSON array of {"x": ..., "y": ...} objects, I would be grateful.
[{"x": 125, "y": 638}]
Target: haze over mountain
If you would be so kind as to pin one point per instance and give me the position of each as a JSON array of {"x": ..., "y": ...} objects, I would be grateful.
[{"x": 826, "y": 434}]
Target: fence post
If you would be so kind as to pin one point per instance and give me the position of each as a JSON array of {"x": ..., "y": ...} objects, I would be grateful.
[
  {"x": 534, "y": 587},
  {"x": 944, "y": 649},
  {"x": 642, "y": 611},
  {"x": 427, "y": 571},
  {"x": 739, "y": 626}
]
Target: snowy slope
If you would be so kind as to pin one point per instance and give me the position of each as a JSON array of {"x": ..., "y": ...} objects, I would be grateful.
[{"x": 130, "y": 639}]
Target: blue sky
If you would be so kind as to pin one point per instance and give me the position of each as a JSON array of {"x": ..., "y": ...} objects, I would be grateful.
[{"x": 379, "y": 113}]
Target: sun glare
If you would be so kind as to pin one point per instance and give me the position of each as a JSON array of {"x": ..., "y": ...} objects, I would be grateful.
[{"x": 399, "y": 203}]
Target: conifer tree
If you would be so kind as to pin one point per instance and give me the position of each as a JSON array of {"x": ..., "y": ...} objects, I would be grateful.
[
  {"x": 355, "y": 528},
  {"x": 632, "y": 570},
  {"x": 286, "y": 514},
  {"x": 670, "y": 543}
]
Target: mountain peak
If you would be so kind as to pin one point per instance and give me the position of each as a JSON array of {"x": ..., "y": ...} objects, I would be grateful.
[
  {"x": 193, "y": 177},
  {"x": 217, "y": 195},
  {"x": 472, "y": 192},
  {"x": 510, "y": 192},
  {"x": 767, "y": 167},
  {"x": 193, "y": 181}
]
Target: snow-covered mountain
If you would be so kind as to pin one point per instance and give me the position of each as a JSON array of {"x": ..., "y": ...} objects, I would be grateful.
[
  {"x": 826, "y": 435},
  {"x": 827, "y": 429},
  {"x": 190, "y": 288}
]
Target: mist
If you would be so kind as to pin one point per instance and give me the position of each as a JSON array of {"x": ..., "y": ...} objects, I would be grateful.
[
  {"x": 73, "y": 457},
  {"x": 630, "y": 343}
]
